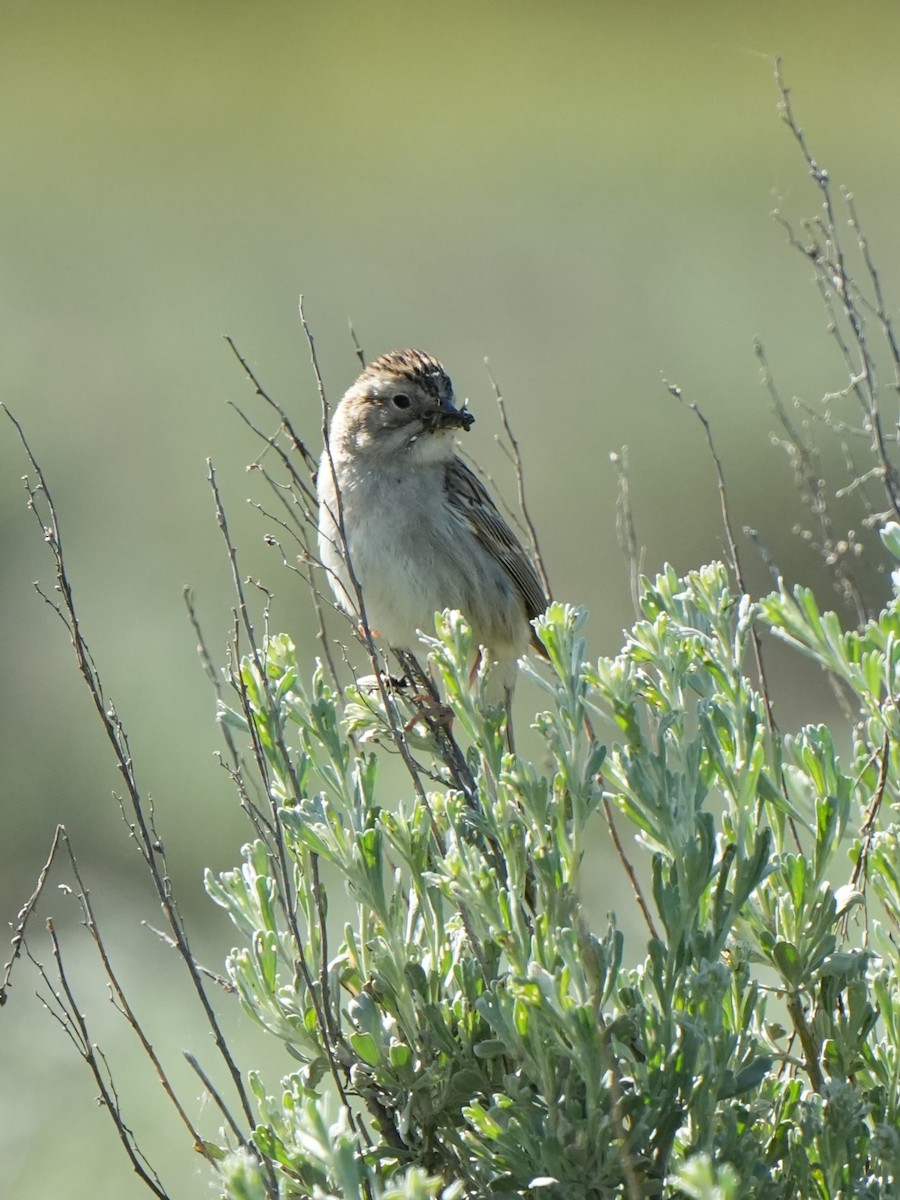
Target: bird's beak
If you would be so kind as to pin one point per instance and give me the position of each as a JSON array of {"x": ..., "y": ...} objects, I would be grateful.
[{"x": 449, "y": 417}]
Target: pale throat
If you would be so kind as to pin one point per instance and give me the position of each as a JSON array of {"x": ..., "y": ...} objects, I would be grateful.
[{"x": 430, "y": 448}]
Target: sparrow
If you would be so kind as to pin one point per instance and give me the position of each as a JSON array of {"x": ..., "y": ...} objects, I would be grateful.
[{"x": 419, "y": 528}]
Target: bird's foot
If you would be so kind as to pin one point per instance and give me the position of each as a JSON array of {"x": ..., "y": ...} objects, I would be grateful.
[{"x": 431, "y": 711}]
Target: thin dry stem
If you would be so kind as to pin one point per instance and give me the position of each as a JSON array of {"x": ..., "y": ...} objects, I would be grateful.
[
  {"x": 520, "y": 484},
  {"x": 141, "y": 824},
  {"x": 827, "y": 255},
  {"x": 737, "y": 571},
  {"x": 70, "y": 1016},
  {"x": 280, "y": 858},
  {"x": 24, "y": 914}
]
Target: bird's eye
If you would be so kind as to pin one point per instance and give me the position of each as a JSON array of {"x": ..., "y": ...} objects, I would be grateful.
[{"x": 400, "y": 400}]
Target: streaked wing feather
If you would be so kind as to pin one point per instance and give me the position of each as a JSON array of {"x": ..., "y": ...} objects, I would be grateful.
[{"x": 469, "y": 497}]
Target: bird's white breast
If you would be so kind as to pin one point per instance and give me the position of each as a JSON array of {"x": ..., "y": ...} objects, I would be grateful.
[
  {"x": 413, "y": 556},
  {"x": 393, "y": 523}
]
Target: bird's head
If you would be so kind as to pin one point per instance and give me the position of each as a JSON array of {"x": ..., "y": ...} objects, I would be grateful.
[{"x": 401, "y": 405}]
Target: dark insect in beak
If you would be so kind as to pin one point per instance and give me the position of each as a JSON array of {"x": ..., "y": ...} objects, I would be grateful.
[{"x": 449, "y": 417}]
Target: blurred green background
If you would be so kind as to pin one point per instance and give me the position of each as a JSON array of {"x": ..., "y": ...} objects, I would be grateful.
[{"x": 580, "y": 192}]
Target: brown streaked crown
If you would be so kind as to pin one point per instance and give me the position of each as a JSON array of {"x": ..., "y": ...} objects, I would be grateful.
[{"x": 414, "y": 365}]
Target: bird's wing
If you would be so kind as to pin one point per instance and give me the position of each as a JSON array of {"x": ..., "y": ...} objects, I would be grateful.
[{"x": 470, "y": 499}]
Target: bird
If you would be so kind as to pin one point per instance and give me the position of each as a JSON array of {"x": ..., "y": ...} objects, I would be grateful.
[{"x": 403, "y": 516}]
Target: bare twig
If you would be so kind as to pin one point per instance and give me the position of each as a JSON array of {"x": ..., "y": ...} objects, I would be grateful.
[
  {"x": 520, "y": 483},
  {"x": 737, "y": 571},
  {"x": 867, "y": 833},
  {"x": 260, "y": 821},
  {"x": 358, "y": 348},
  {"x": 320, "y": 998},
  {"x": 830, "y": 262},
  {"x": 213, "y": 976},
  {"x": 122, "y": 1003},
  {"x": 76, "y": 1026},
  {"x": 25, "y": 912},
  {"x": 305, "y": 526},
  {"x": 297, "y": 442},
  {"x": 67, "y": 1012},
  {"x": 629, "y": 869},
  {"x": 734, "y": 557},
  {"x": 807, "y": 1041},
  {"x": 141, "y": 825},
  {"x": 880, "y": 308},
  {"x": 216, "y": 1097},
  {"x": 804, "y": 459},
  {"x": 297, "y": 481}
]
